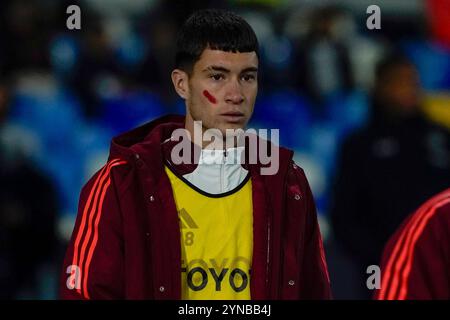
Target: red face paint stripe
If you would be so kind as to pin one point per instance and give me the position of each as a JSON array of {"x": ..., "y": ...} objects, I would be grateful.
[{"x": 209, "y": 96}]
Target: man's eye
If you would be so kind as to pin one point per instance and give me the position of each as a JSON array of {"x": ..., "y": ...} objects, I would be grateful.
[
  {"x": 248, "y": 77},
  {"x": 217, "y": 76}
]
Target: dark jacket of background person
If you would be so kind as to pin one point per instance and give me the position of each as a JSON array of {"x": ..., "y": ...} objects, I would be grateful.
[
  {"x": 416, "y": 260},
  {"x": 126, "y": 240},
  {"x": 388, "y": 168}
]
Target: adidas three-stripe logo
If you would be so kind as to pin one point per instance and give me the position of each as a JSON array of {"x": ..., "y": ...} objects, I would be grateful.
[{"x": 87, "y": 235}]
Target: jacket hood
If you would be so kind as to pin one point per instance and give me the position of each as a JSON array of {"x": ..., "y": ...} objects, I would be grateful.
[{"x": 156, "y": 131}]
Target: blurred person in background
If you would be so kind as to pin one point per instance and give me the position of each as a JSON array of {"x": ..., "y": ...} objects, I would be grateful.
[
  {"x": 96, "y": 65},
  {"x": 415, "y": 261},
  {"x": 28, "y": 210},
  {"x": 23, "y": 35},
  {"x": 323, "y": 59},
  {"x": 389, "y": 167},
  {"x": 157, "y": 66}
]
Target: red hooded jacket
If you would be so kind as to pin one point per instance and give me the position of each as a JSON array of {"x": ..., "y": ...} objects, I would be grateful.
[
  {"x": 126, "y": 240},
  {"x": 416, "y": 260}
]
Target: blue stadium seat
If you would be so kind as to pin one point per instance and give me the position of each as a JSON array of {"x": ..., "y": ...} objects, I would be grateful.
[
  {"x": 285, "y": 110},
  {"x": 346, "y": 112},
  {"x": 54, "y": 118},
  {"x": 127, "y": 111},
  {"x": 64, "y": 53},
  {"x": 433, "y": 62}
]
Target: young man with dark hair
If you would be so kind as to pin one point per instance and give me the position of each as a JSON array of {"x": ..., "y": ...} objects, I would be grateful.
[{"x": 216, "y": 226}]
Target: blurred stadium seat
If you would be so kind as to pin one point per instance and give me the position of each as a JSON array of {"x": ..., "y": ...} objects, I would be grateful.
[
  {"x": 433, "y": 62},
  {"x": 123, "y": 112},
  {"x": 285, "y": 110},
  {"x": 347, "y": 111}
]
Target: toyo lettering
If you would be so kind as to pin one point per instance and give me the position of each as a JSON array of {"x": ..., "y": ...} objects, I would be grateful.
[
  {"x": 199, "y": 276},
  {"x": 237, "y": 278}
]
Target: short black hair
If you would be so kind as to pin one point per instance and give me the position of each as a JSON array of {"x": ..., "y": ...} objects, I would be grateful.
[{"x": 215, "y": 29}]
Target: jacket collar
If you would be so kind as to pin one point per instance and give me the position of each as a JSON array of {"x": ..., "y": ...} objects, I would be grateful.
[{"x": 151, "y": 143}]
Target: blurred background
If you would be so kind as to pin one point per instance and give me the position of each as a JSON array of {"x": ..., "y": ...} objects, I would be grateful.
[{"x": 366, "y": 111}]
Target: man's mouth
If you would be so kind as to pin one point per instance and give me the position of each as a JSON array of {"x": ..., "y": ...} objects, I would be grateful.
[{"x": 233, "y": 117}]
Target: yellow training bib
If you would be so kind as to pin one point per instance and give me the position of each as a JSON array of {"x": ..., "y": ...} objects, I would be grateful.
[{"x": 216, "y": 240}]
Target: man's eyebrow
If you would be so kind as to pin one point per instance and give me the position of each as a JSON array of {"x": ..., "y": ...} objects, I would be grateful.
[
  {"x": 250, "y": 69},
  {"x": 223, "y": 69},
  {"x": 216, "y": 68}
]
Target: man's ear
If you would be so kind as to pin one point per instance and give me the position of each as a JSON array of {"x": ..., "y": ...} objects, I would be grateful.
[{"x": 180, "y": 82}]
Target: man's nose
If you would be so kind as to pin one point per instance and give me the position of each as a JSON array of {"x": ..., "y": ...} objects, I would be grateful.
[{"x": 234, "y": 93}]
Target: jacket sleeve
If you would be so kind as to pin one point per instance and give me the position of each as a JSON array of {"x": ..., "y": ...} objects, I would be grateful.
[
  {"x": 93, "y": 265},
  {"x": 415, "y": 262},
  {"x": 315, "y": 278}
]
